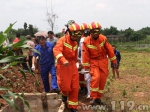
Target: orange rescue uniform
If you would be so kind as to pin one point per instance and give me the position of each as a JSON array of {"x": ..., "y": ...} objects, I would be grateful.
[
  {"x": 67, "y": 76},
  {"x": 95, "y": 57},
  {"x": 82, "y": 81}
]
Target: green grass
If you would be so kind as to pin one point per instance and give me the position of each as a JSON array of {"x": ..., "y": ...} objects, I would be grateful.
[{"x": 135, "y": 80}]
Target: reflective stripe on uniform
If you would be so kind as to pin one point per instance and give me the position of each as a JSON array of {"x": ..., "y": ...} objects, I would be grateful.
[
  {"x": 91, "y": 46},
  {"x": 101, "y": 91},
  {"x": 94, "y": 89},
  {"x": 113, "y": 58},
  {"x": 67, "y": 45},
  {"x": 72, "y": 103},
  {"x": 102, "y": 44},
  {"x": 85, "y": 64},
  {"x": 58, "y": 56},
  {"x": 97, "y": 90},
  {"x": 74, "y": 27},
  {"x": 75, "y": 47},
  {"x": 82, "y": 82}
]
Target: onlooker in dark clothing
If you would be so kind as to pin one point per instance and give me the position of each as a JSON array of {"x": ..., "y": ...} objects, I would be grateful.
[{"x": 118, "y": 56}]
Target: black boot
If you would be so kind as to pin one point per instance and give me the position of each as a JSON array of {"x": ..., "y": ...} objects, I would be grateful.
[
  {"x": 64, "y": 99},
  {"x": 73, "y": 110},
  {"x": 99, "y": 102},
  {"x": 56, "y": 91},
  {"x": 81, "y": 90},
  {"x": 85, "y": 90}
]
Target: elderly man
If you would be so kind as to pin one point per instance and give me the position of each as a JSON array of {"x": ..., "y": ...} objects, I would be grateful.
[{"x": 51, "y": 38}]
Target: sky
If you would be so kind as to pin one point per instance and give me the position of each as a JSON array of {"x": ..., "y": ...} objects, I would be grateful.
[{"x": 118, "y": 13}]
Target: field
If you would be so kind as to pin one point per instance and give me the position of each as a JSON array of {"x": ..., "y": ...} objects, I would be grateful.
[{"x": 130, "y": 93}]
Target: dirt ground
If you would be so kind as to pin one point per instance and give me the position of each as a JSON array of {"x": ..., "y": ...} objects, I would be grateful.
[
  {"x": 131, "y": 93},
  {"x": 17, "y": 84}
]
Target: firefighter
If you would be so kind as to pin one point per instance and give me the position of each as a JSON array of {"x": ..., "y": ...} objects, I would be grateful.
[
  {"x": 65, "y": 52},
  {"x": 95, "y": 51},
  {"x": 84, "y": 78}
]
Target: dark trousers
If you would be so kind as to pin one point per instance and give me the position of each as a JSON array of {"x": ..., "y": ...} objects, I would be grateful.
[
  {"x": 30, "y": 61},
  {"x": 45, "y": 70}
]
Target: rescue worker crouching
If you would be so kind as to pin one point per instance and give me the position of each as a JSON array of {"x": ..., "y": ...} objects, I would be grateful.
[
  {"x": 65, "y": 51},
  {"x": 95, "y": 51}
]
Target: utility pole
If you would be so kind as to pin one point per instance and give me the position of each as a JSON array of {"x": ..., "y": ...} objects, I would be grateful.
[{"x": 51, "y": 16}]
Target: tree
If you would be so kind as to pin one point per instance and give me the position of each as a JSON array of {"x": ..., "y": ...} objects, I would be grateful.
[
  {"x": 110, "y": 31},
  {"x": 31, "y": 30},
  {"x": 128, "y": 32},
  {"x": 145, "y": 30},
  {"x": 35, "y": 29},
  {"x": 25, "y": 28},
  {"x": 135, "y": 36},
  {"x": 51, "y": 16}
]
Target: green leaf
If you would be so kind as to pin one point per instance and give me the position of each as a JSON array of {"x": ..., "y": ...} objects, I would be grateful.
[
  {"x": 20, "y": 96},
  {"x": 3, "y": 88},
  {"x": 2, "y": 39},
  {"x": 23, "y": 73},
  {"x": 36, "y": 51},
  {"x": 32, "y": 73},
  {"x": 27, "y": 104},
  {"x": 10, "y": 53},
  {"x": 25, "y": 46},
  {"x": 15, "y": 63},
  {"x": 10, "y": 59},
  {"x": 11, "y": 94},
  {"x": 9, "y": 28},
  {"x": 5, "y": 67},
  {"x": 20, "y": 43},
  {"x": 3, "y": 77},
  {"x": 10, "y": 102},
  {"x": 1, "y": 48}
]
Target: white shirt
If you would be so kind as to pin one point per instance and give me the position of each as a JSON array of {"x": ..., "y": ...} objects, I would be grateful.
[
  {"x": 80, "y": 48},
  {"x": 53, "y": 40}
]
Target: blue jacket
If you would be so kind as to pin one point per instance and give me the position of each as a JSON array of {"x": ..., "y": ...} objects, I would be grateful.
[
  {"x": 46, "y": 54},
  {"x": 118, "y": 56}
]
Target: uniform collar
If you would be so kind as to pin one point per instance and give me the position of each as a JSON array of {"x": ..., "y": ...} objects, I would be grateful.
[{"x": 45, "y": 45}]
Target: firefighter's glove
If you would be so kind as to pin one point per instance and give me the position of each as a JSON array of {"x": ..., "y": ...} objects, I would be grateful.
[
  {"x": 33, "y": 67},
  {"x": 66, "y": 63}
]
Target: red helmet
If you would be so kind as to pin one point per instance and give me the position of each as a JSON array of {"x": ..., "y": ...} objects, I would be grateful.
[
  {"x": 75, "y": 27},
  {"x": 94, "y": 25},
  {"x": 84, "y": 26}
]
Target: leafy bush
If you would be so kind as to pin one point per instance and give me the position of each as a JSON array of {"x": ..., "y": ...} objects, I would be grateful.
[{"x": 7, "y": 57}]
